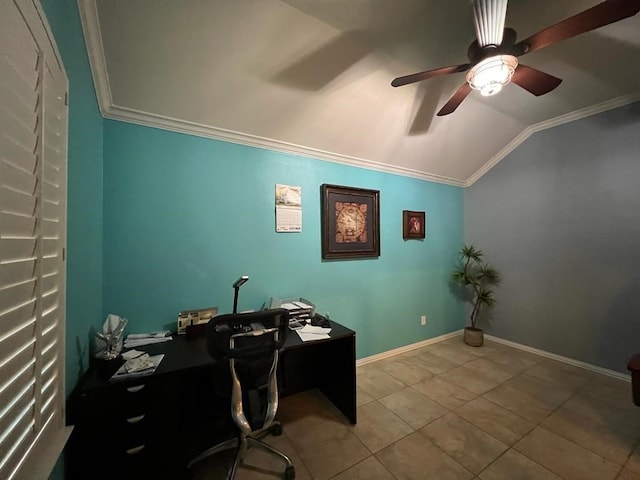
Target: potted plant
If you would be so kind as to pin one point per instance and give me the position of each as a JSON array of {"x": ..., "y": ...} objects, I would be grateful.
[{"x": 478, "y": 279}]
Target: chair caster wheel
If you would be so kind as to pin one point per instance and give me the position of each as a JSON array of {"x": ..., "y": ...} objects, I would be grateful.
[
  {"x": 290, "y": 473},
  {"x": 277, "y": 431}
]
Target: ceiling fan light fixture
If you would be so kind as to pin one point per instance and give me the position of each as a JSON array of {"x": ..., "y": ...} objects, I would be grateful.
[{"x": 491, "y": 74}]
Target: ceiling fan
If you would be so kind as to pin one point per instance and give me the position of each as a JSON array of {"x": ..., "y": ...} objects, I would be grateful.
[{"x": 493, "y": 57}]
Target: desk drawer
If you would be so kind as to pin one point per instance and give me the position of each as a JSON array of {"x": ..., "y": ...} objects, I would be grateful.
[{"x": 121, "y": 401}]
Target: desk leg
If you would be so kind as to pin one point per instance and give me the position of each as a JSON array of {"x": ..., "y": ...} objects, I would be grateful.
[
  {"x": 328, "y": 366},
  {"x": 338, "y": 382}
]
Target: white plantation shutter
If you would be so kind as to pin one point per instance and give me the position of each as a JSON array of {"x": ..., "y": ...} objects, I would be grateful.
[{"x": 33, "y": 156}]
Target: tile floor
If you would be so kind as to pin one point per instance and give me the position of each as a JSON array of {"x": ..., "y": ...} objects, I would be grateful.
[{"x": 450, "y": 411}]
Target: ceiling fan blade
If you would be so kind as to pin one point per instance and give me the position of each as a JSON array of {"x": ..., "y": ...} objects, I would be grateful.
[
  {"x": 534, "y": 81},
  {"x": 602, "y": 14},
  {"x": 417, "y": 77},
  {"x": 455, "y": 101}
]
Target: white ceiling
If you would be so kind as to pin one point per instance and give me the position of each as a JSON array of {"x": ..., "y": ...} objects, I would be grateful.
[{"x": 313, "y": 76}]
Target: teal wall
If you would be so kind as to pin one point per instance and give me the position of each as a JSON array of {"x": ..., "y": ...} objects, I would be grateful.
[
  {"x": 84, "y": 194},
  {"x": 185, "y": 216},
  {"x": 84, "y": 213}
]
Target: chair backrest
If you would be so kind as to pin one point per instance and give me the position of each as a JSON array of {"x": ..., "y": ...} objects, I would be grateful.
[
  {"x": 220, "y": 329},
  {"x": 249, "y": 343}
]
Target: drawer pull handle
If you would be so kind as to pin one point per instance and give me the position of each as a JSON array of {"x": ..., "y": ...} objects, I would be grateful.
[
  {"x": 135, "y": 419},
  {"x": 135, "y": 389},
  {"x": 135, "y": 450}
]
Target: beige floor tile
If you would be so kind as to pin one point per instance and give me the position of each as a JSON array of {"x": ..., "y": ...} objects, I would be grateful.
[
  {"x": 520, "y": 403},
  {"x": 610, "y": 390},
  {"x": 513, "y": 465},
  {"x": 362, "y": 397},
  {"x": 514, "y": 361},
  {"x": 472, "y": 380},
  {"x": 417, "y": 458},
  {"x": 434, "y": 363},
  {"x": 499, "y": 422},
  {"x": 466, "y": 443},
  {"x": 610, "y": 444},
  {"x": 308, "y": 411},
  {"x": 457, "y": 354},
  {"x": 565, "y": 458},
  {"x": 633, "y": 463},
  {"x": 368, "y": 469},
  {"x": 627, "y": 474},
  {"x": 561, "y": 374},
  {"x": 406, "y": 370},
  {"x": 257, "y": 464},
  {"x": 379, "y": 427},
  {"x": 375, "y": 382},
  {"x": 622, "y": 420},
  {"x": 445, "y": 393},
  {"x": 550, "y": 392},
  {"x": 327, "y": 452},
  {"x": 413, "y": 407},
  {"x": 490, "y": 369},
  {"x": 458, "y": 342}
]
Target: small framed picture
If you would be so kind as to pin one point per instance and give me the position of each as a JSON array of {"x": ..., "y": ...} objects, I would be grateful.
[
  {"x": 350, "y": 222},
  {"x": 413, "y": 224}
]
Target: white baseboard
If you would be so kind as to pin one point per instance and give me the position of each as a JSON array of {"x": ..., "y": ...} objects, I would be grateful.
[
  {"x": 406, "y": 348},
  {"x": 560, "y": 358},
  {"x": 519, "y": 346}
]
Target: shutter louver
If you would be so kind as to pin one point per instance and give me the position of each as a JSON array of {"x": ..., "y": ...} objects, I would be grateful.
[{"x": 33, "y": 123}]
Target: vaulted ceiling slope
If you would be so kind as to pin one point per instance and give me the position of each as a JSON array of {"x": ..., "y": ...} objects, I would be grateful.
[{"x": 313, "y": 77}]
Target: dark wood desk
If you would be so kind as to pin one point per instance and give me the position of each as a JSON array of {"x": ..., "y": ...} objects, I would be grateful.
[{"x": 156, "y": 424}]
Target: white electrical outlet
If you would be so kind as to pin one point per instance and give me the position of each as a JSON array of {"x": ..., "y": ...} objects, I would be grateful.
[{"x": 423, "y": 320}]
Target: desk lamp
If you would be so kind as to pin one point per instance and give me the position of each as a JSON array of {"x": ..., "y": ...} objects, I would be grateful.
[{"x": 236, "y": 286}]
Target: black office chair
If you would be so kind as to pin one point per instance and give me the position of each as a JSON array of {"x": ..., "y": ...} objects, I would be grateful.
[{"x": 250, "y": 344}]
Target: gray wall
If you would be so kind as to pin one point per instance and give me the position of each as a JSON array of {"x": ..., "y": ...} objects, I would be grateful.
[{"x": 560, "y": 218}]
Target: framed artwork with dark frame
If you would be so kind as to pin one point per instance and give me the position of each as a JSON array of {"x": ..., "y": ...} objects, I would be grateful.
[
  {"x": 413, "y": 224},
  {"x": 350, "y": 222}
]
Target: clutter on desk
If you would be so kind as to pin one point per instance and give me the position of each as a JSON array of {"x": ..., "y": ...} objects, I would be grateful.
[
  {"x": 109, "y": 341},
  {"x": 300, "y": 310},
  {"x": 195, "y": 317},
  {"x": 138, "y": 366},
  {"x": 310, "y": 333},
  {"x": 138, "y": 339}
]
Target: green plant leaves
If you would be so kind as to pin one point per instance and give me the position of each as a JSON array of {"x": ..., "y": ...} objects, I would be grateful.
[{"x": 479, "y": 276}]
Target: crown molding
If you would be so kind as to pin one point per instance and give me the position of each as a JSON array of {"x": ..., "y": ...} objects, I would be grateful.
[
  {"x": 91, "y": 28},
  {"x": 89, "y": 19},
  {"x": 553, "y": 122},
  {"x": 176, "y": 125}
]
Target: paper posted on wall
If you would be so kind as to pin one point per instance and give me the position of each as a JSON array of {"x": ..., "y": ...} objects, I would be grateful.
[{"x": 288, "y": 208}]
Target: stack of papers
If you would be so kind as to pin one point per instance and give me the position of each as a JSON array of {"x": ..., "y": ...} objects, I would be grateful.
[
  {"x": 137, "y": 364},
  {"x": 309, "y": 333},
  {"x": 137, "y": 339},
  {"x": 298, "y": 311}
]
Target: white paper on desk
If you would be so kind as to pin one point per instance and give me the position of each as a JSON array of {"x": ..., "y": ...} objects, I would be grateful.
[
  {"x": 138, "y": 336},
  {"x": 122, "y": 373},
  {"x": 316, "y": 330},
  {"x": 310, "y": 337},
  {"x": 137, "y": 342}
]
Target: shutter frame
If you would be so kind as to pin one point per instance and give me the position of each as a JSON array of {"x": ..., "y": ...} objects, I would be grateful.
[{"x": 33, "y": 176}]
